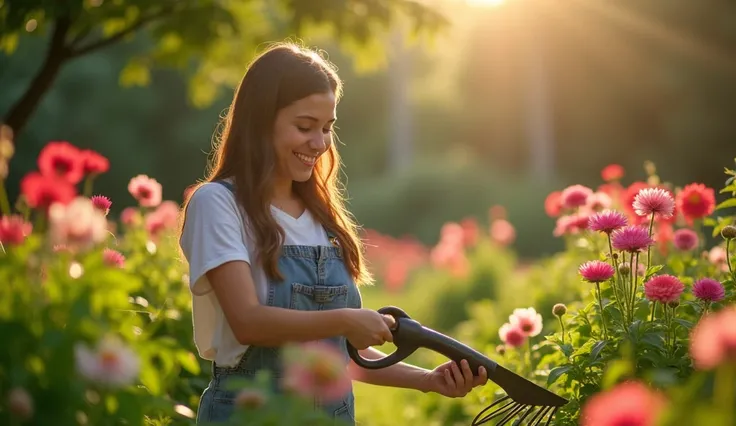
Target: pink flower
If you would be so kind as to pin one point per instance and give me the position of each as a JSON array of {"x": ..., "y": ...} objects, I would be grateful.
[
  {"x": 655, "y": 201},
  {"x": 316, "y": 369},
  {"x": 553, "y": 204},
  {"x": 596, "y": 271},
  {"x": 696, "y": 201},
  {"x": 471, "y": 231},
  {"x": 130, "y": 216},
  {"x": 685, "y": 239},
  {"x": 113, "y": 258},
  {"x": 629, "y": 403},
  {"x": 78, "y": 225},
  {"x": 598, "y": 201},
  {"x": 145, "y": 190},
  {"x": 575, "y": 196},
  {"x": 102, "y": 203},
  {"x": 713, "y": 340},
  {"x": 511, "y": 335},
  {"x": 571, "y": 224},
  {"x": 14, "y": 230},
  {"x": 632, "y": 238},
  {"x": 164, "y": 218},
  {"x": 663, "y": 288},
  {"x": 503, "y": 232},
  {"x": 607, "y": 221},
  {"x": 528, "y": 321},
  {"x": 709, "y": 290}
]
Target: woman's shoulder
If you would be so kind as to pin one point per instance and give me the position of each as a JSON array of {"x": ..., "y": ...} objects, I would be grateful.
[{"x": 212, "y": 196}]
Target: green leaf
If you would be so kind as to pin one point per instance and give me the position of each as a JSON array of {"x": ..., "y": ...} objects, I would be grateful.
[
  {"x": 567, "y": 349},
  {"x": 188, "y": 361},
  {"x": 135, "y": 73},
  {"x": 615, "y": 371},
  {"x": 651, "y": 271},
  {"x": 595, "y": 352},
  {"x": 730, "y": 188},
  {"x": 685, "y": 323},
  {"x": 726, "y": 204},
  {"x": 557, "y": 372}
]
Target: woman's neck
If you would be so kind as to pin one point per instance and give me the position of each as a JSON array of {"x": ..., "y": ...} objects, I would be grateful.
[{"x": 282, "y": 191}]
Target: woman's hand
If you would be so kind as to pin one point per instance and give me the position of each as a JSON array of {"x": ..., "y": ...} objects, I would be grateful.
[
  {"x": 452, "y": 381},
  {"x": 366, "y": 327}
]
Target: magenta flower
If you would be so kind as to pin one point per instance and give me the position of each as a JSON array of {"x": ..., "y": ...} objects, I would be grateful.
[
  {"x": 663, "y": 288},
  {"x": 655, "y": 201},
  {"x": 575, "y": 196},
  {"x": 632, "y": 238},
  {"x": 685, "y": 239},
  {"x": 596, "y": 271},
  {"x": 709, "y": 290},
  {"x": 607, "y": 221},
  {"x": 102, "y": 203},
  {"x": 113, "y": 258}
]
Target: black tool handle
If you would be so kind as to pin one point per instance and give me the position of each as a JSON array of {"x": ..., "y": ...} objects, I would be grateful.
[{"x": 397, "y": 356}]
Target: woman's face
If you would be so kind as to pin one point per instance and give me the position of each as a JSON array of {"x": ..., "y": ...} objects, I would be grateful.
[{"x": 302, "y": 133}]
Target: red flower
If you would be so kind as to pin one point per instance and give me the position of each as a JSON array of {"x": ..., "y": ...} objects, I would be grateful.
[
  {"x": 63, "y": 160},
  {"x": 93, "y": 163},
  {"x": 696, "y": 201},
  {"x": 612, "y": 172},
  {"x": 553, "y": 204},
  {"x": 14, "y": 230},
  {"x": 43, "y": 190},
  {"x": 630, "y": 403}
]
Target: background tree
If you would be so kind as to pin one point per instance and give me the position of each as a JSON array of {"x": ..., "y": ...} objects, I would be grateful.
[{"x": 214, "y": 37}]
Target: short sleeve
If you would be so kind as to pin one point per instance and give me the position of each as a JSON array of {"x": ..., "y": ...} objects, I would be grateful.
[{"x": 213, "y": 234}]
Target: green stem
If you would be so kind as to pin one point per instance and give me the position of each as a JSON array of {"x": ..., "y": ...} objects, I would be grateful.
[
  {"x": 728, "y": 258},
  {"x": 654, "y": 309},
  {"x": 4, "y": 203},
  {"x": 672, "y": 330},
  {"x": 88, "y": 186},
  {"x": 562, "y": 326},
  {"x": 634, "y": 283},
  {"x": 723, "y": 394},
  {"x": 600, "y": 304},
  {"x": 649, "y": 248},
  {"x": 529, "y": 356},
  {"x": 617, "y": 282}
]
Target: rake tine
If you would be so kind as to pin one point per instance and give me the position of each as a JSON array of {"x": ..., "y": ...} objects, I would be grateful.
[
  {"x": 489, "y": 407},
  {"x": 528, "y": 411},
  {"x": 551, "y": 415},
  {"x": 537, "y": 415},
  {"x": 542, "y": 413},
  {"x": 499, "y": 412},
  {"x": 510, "y": 415}
]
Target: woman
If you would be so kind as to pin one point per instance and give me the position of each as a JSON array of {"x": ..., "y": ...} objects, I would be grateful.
[{"x": 274, "y": 256}]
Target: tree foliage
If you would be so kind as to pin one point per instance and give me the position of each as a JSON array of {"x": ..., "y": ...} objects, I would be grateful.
[{"x": 213, "y": 39}]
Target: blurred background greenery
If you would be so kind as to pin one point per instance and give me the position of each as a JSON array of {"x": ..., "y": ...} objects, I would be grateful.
[{"x": 493, "y": 102}]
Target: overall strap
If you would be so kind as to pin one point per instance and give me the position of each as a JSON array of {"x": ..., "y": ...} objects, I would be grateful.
[{"x": 227, "y": 185}]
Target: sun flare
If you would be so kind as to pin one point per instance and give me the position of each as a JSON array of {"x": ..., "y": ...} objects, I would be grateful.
[{"x": 486, "y": 3}]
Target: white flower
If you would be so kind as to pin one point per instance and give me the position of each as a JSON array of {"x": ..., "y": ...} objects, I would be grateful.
[
  {"x": 79, "y": 224},
  {"x": 110, "y": 363}
]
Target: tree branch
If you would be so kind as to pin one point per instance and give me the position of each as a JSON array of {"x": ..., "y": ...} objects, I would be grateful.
[{"x": 99, "y": 44}]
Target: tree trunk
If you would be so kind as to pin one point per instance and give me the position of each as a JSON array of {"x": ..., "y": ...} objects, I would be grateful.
[{"x": 57, "y": 54}]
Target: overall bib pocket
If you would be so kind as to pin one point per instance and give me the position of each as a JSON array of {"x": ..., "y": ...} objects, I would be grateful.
[{"x": 318, "y": 297}]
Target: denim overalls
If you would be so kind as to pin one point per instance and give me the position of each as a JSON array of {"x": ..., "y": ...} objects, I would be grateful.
[{"x": 315, "y": 278}]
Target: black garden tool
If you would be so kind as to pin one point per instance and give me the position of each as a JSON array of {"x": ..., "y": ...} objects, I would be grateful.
[{"x": 523, "y": 398}]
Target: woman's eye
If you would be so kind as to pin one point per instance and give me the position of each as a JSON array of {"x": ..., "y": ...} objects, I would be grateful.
[
  {"x": 327, "y": 131},
  {"x": 303, "y": 129}
]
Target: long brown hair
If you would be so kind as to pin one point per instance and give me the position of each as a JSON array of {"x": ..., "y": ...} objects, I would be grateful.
[{"x": 277, "y": 77}]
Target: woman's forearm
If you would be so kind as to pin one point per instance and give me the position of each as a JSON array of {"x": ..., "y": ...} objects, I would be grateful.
[
  {"x": 399, "y": 375},
  {"x": 271, "y": 326}
]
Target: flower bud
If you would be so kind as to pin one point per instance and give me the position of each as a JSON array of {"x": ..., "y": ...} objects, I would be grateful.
[
  {"x": 250, "y": 398},
  {"x": 624, "y": 269},
  {"x": 728, "y": 232},
  {"x": 501, "y": 349},
  {"x": 20, "y": 403},
  {"x": 674, "y": 304},
  {"x": 615, "y": 256},
  {"x": 559, "y": 309}
]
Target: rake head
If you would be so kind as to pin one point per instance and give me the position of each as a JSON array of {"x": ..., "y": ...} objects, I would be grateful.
[{"x": 523, "y": 397}]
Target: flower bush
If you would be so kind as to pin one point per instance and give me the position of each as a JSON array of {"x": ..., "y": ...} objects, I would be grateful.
[{"x": 96, "y": 314}]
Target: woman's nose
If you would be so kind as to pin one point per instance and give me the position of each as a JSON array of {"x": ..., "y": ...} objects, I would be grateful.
[{"x": 318, "y": 143}]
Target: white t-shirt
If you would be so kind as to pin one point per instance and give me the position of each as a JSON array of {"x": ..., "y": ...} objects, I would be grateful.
[{"x": 214, "y": 233}]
